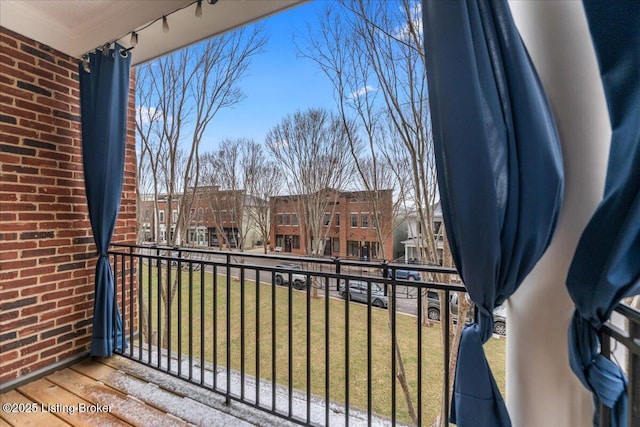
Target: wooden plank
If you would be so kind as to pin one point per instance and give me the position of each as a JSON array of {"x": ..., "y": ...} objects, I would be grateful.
[
  {"x": 182, "y": 407},
  {"x": 68, "y": 406},
  {"x": 36, "y": 417},
  {"x": 122, "y": 406}
]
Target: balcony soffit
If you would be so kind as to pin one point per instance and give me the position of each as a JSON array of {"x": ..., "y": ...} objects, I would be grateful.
[{"x": 76, "y": 27}]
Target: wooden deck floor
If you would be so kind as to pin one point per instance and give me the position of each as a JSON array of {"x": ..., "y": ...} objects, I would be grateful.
[{"x": 119, "y": 392}]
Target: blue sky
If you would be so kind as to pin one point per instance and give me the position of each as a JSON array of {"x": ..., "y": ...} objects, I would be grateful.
[{"x": 279, "y": 83}]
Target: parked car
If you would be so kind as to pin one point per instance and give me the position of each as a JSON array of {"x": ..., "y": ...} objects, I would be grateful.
[
  {"x": 433, "y": 312},
  {"x": 358, "y": 291},
  {"x": 407, "y": 275},
  {"x": 299, "y": 281}
]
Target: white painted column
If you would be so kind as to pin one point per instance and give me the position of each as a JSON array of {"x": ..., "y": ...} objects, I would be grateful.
[{"x": 541, "y": 389}]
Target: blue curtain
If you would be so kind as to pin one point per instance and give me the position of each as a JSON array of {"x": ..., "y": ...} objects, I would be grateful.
[
  {"x": 499, "y": 172},
  {"x": 104, "y": 96},
  {"x": 606, "y": 264}
]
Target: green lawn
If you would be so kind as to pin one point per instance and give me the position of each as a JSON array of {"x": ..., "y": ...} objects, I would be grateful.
[{"x": 244, "y": 304}]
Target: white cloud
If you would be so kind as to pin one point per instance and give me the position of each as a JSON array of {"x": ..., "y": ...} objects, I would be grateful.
[
  {"x": 363, "y": 90},
  {"x": 147, "y": 114},
  {"x": 403, "y": 32}
]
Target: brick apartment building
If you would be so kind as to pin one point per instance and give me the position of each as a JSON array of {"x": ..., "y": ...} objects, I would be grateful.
[
  {"x": 216, "y": 218},
  {"x": 349, "y": 225}
]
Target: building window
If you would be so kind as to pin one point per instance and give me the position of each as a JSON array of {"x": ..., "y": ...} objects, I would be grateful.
[
  {"x": 354, "y": 220},
  {"x": 287, "y": 219},
  {"x": 163, "y": 236},
  {"x": 364, "y": 220},
  {"x": 175, "y": 215},
  {"x": 294, "y": 219},
  {"x": 336, "y": 219},
  {"x": 280, "y": 221},
  {"x": 335, "y": 244},
  {"x": 353, "y": 248},
  {"x": 146, "y": 214},
  {"x": 200, "y": 214},
  {"x": 162, "y": 218},
  {"x": 327, "y": 219},
  {"x": 295, "y": 243}
]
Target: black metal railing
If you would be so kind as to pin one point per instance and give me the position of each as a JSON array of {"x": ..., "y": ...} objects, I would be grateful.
[
  {"x": 306, "y": 351},
  {"x": 620, "y": 341},
  {"x": 309, "y": 355}
]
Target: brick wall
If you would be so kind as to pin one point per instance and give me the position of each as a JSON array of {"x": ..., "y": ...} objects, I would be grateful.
[{"x": 47, "y": 255}]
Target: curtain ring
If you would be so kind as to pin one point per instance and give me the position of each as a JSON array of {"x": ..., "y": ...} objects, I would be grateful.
[
  {"x": 85, "y": 64},
  {"x": 124, "y": 53}
]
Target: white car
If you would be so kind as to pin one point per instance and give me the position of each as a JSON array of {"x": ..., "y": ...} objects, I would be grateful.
[{"x": 299, "y": 281}]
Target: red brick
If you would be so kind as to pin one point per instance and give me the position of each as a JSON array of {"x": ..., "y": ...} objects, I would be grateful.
[
  {"x": 35, "y": 125},
  {"x": 16, "y": 365},
  {"x": 8, "y": 356},
  {"x": 36, "y": 271},
  {"x": 15, "y": 130},
  {"x": 17, "y": 112},
  {"x": 16, "y": 74},
  {"x": 17, "y": 93},
  {"x": 37, "y": 346},
  {"x": 35, "y": 70},
  {"x": 39, "y": 289},
  {"x": 18, "y": 55},
  {"x": 54, "y": 314},
  {"x": 55, "y": 87},
  {"x": 31, "y": 106}
]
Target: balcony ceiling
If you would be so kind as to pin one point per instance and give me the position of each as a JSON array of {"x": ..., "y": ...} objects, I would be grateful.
[{"x": 76, "y": 27}]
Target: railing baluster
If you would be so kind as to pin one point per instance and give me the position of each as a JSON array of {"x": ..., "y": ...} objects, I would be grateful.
[
  {"x": 201, "y": 311},
  {"x": 273, "y": 343},
  {"x": 179, "y": 315},
  {"x": 123, "y": 275},
  {"x": 257, "y": 387},
  {"x": 634, "y": 372},
  {"x": 444, "y": 323},
  {"x": 327, "y": 364},
  {"x": 346, "y": 353},
  {"x": 214, "y": 309},
  {"x": 308, "y": 355},
  {"x": 605, "y": 350},
  {"x": 190, "y": 319},
  {"x": 419, "y": 291},
  {"x": 159, "y": 323},
  {"x": 228, "y": 330},
  {"x": 131, "y": 286},
  {"x": 290, "y": 345},
  {"x": 394, "y": 367},
  {"x": 242, "y": 332},
  {"x": 369, "y": 410}
]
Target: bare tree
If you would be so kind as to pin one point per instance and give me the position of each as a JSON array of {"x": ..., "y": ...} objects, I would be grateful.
[
  {"x": 263, "y": 179},
  {"x": 224, "y": 192},
  {"x": 311, "y": 149},
  {"x": 372, "y": 52},
  {"x": 237, "y": 182},
  {"x": 185, "y": 91}
]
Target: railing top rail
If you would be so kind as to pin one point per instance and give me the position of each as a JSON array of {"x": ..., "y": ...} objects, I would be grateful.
[
  {"x": 343, "y": 275},
  {"x": 316, "y": 260}
]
